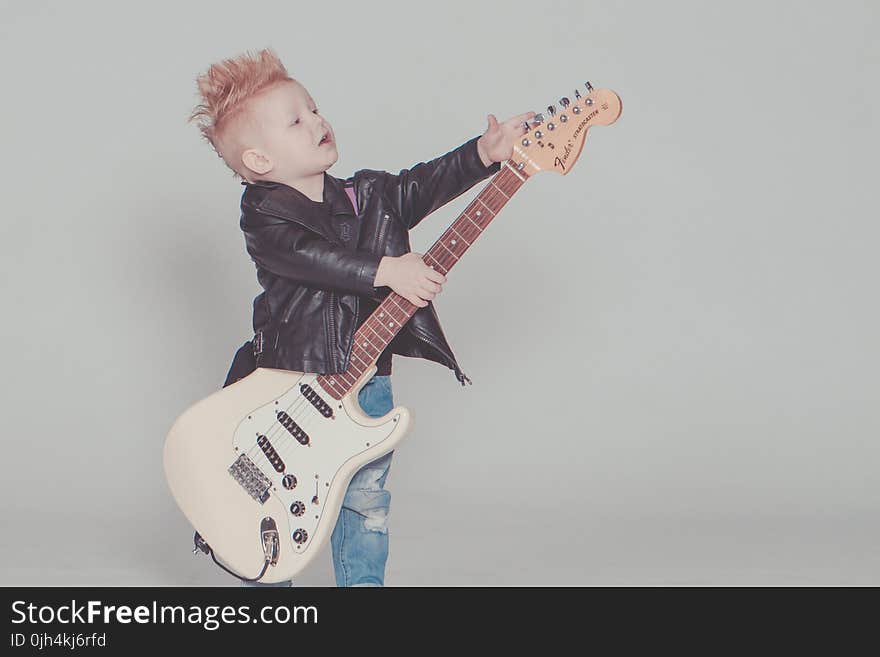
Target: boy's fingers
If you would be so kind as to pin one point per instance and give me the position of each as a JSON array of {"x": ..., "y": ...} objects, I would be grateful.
[{"x": 519, "y": 119}]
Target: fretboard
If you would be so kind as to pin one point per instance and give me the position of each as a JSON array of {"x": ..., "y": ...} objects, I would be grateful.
[{"x": 377, "y": 331}]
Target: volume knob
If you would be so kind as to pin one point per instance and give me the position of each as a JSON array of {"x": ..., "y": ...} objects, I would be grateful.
[
  {"x": 300, "y": 536},
  {"x": 297, "y": 508}
]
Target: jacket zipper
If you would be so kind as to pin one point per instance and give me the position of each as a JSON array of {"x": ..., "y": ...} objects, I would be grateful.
[
  {"x": 285, "y": 318},
  {"x": 381, "y": 233},
  {"x": 435, "y": 347},
  {"x": 456, "y": 366},
  {"x": 333, "y": 337}
]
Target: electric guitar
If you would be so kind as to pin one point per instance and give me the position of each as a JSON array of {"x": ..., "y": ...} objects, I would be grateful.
[{"x": 260, "y": 467}]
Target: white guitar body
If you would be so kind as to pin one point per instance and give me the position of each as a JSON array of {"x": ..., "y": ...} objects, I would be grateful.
[{"x": 227, "y": 479}]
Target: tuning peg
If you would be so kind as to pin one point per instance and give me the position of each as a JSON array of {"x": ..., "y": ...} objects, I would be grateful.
[
  {"x": 588, "y": 86},
  {"x": 551, "y": 110},
  {"x": 577, "y": 94},
  {"x": 539, "y": 118},
  {"x": 564, "y": 102},
  {"x": 526, "y": 125}
]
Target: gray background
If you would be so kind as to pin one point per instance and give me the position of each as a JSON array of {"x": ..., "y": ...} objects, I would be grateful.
[{"x": 673, "y": 347}]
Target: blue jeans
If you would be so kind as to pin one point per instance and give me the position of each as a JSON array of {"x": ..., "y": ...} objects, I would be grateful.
[{"x": 359, "y": 542}]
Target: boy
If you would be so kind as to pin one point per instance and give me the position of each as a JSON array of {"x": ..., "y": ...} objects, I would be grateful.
[{"x": 324, "y": 270}]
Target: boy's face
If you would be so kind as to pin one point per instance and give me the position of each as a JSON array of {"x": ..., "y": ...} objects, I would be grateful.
[{"x": 285, "y": 133}]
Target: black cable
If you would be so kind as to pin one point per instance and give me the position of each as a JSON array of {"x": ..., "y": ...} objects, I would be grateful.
[{"x": 202, "y": 545}]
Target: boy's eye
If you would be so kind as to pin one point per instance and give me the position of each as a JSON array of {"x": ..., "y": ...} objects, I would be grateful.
[{"x": 314, "y": 111}]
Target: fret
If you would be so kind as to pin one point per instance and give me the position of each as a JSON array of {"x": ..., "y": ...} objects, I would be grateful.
[
  {"x": 365, "y": 338},
  {"x": 400, "y": 317},
  {"x": 470, "y": 225},
  {"x": 462, "y": 230},
  {"x": 513, "y": 171},
  {"x": 393, "y": 298},
  {"x": 458, "y": 235},
  {"x": 355, "y": 354},
  {"x": 366, "y": 355},
  {"x": 384, "y": 328},
  {"x": 437, "y": 263},
  {"x": 347, "y": 379},
  {"x": 388, "y": 324},
  {"x": 449, "y": 250},
  {"x": 479, "y": 229},
  {"x": 488, "y": 208},
  {"x": 500, "y": 190}
]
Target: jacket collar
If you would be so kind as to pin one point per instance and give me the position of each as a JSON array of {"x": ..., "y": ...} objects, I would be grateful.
[{"x": 292, "y": 203}]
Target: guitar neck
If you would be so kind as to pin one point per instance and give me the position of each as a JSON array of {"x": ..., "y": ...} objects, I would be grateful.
[
  {"x": 470, "y": 224},
  {"x": 374, "y": 334}
]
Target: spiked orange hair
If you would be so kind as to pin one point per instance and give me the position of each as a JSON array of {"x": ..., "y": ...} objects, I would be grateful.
[{"x": 225, "y": 89}]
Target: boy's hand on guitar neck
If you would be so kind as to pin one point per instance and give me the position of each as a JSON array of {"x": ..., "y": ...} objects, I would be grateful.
[
  {"x": 496, "y": 144},
  {"x": 410, "y": 277}
]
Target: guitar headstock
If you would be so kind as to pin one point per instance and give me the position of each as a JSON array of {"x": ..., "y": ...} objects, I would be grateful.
[{"x": 554, "y": 142}]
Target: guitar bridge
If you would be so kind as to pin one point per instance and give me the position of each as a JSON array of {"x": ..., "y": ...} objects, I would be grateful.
[{"x": 251, "y": 478}]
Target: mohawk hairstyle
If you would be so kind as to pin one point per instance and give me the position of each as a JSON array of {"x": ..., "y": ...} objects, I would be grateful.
[{"x": 225, "y": 89}]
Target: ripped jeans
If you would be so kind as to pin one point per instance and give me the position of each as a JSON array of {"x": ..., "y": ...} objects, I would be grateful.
[{"x": 359, "y": 543}]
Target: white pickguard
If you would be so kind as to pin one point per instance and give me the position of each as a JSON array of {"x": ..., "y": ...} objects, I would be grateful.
[{"x": 332, "y": 441}]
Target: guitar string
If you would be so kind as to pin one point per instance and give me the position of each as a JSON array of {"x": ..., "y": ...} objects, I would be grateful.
[{"x": 300, "y": 406}]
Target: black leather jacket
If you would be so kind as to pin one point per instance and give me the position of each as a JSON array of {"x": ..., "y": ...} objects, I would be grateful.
[{"x": 316, "y": 262}]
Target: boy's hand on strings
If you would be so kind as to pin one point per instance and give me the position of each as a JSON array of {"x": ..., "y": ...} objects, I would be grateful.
[
  {"x": 496, "y": 144},
  {"x": 410, "y": 277}
]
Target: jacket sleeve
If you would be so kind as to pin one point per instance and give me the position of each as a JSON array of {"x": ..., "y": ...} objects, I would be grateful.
[
  {"x": 292, "y": 252},
  {"x": 418, "y": 191}
]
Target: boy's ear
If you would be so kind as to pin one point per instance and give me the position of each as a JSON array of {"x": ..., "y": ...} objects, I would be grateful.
[{"x": 256, "y": 161}]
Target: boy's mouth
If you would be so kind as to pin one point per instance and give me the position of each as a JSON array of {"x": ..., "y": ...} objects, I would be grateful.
[{"x": 325, "y": 139}]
